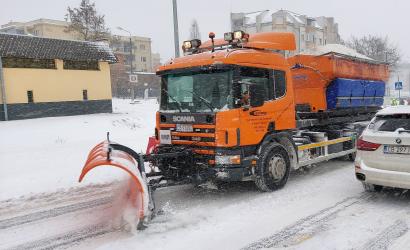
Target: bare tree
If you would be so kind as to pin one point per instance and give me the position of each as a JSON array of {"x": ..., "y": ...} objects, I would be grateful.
[
  {"x": 194, "y": 30},
  {"x": 87, "y": 22},
  {"x": 376, "y": 47}
]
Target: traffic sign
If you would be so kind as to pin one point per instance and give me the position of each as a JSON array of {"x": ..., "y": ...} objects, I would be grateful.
[
  {"x": 398, "y": 85},
  {"x": 134, "y": 78}
]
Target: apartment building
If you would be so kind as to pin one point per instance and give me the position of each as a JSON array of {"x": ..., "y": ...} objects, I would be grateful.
[
  {"x": 42, "y": 27},
  {"x": 156, "y": 61},
  {"x": 141, "y": 56},
  {"x": 310, "y": 32}
]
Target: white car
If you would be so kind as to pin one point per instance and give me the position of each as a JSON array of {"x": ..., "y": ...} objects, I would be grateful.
[{"x": 383, "y": 150}]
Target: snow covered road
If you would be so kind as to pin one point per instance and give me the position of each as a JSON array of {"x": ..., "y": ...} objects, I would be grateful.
[
  {"x": 323, "y": 209},
  {"x": 43, "y": 207}
]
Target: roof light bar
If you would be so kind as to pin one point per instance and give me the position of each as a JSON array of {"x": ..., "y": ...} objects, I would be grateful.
[
  {"x": 191, "y": 45},
  {"x": 228, "y": 36},
  {"x": 236, "y": 36}
]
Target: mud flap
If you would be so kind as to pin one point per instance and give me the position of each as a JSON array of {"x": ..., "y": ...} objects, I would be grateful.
[{"x": 103, "y": 154}]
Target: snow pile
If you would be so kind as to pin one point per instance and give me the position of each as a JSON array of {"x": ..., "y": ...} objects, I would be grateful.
[
  {"x": 47, "y": 154},
  {"x": 335, "y": 48},
  {"x": 124, "y": 214}
]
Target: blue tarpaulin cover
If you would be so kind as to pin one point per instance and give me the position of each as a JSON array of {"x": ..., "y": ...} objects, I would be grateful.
[{"x": 347, "y": 93}]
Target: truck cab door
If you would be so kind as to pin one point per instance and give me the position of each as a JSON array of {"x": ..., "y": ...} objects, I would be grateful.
[{"x": 276, "y": 110}]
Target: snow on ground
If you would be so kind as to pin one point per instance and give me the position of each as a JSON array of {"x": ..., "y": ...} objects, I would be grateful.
[
  {"x": 321, "y": 208},
  {"x": 324, "y": 208},
  {"x": 47, "y": 154}
]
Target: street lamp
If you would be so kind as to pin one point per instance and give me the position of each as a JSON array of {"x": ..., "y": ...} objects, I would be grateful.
[
  {"x": 176, "y": 32},
  {"x": 131, "y": 59},
  {"x": 131, "y": 55}
]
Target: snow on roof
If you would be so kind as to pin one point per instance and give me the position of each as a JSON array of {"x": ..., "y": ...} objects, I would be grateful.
[
  {"x": 320, "y": 21},
  {"x": 143, "y": 73},
  {"x": 336, "y": 48},
  {"x": 250, "y": 18},
  {"x": 266, "y": 16},
  {"x": 391, "y": 110},
  {"x": 317, "y": 25},
  {"x": 24, "y": 46},
  {"x": 295, "y": 16}
]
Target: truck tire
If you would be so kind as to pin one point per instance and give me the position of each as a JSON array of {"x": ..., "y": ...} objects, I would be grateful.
[{"x": 273, "y": 168}]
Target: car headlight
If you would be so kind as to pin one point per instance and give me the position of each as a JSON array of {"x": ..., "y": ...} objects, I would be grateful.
[{"x": 227, "y": 159}]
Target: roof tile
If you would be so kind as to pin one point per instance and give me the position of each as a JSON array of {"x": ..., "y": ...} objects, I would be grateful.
[{"x": 23, "y": 46}]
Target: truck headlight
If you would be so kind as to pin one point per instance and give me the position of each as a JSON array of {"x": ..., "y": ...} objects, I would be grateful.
[
  {"x": 238, "y": 35},
  {"x": 227, "y": 159},
  {"x": 228, "y": 36}
]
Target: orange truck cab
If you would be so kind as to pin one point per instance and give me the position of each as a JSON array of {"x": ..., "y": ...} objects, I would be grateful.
[{"x": 229, "y": 111}]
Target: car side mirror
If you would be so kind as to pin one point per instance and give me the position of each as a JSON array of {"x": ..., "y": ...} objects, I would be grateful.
[{"x": 257, "y": 95}]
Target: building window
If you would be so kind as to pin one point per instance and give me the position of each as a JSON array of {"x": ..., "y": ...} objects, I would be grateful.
[
  {"x": 142, "y": 46},
  {"x": 81, "y": 65},
  {"x": 143, "y": 59},
  {"x": 30, "y": 98},
  {"x": 279, "y": 20},
  {"x": 13, "y": 62},
  {"x": 129, "y": 59},
  {"x": 127, "y": 48},
  {"x": 85, "y": 95},
  {"x": 303, "y": 37}
]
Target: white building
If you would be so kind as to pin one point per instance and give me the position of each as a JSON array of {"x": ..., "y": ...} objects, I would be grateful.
[{"x": 309, "y": 32}]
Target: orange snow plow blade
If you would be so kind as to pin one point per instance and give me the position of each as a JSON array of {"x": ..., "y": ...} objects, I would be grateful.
[{"x": 104, "y": 154}]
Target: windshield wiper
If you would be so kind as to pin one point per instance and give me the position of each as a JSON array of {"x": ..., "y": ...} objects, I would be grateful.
[
  {"x": 175, "y": 100},
  {"x": 207, "y": 103}
]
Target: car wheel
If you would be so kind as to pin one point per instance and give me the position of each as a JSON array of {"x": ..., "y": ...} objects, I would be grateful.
[
  {"x": 372, "y": 188},
  {"x": 273, "y": 168}
]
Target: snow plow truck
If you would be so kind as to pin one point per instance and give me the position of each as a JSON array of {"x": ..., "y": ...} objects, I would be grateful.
[{"x": 241, "y": 109}]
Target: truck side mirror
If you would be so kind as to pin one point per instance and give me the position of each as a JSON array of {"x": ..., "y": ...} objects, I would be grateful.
[{"x": 257, "y": 95}]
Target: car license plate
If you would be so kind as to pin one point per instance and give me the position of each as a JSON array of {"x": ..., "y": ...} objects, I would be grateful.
[
  {"x": 184, "y": 128},
  {"x": 396, "y": 149}
]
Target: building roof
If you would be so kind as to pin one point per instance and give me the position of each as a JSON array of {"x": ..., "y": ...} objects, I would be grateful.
[
  {"x": 24, "y": 46},
  {"x": 34, "y": 22}
]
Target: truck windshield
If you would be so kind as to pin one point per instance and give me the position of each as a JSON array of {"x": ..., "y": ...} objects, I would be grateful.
[{"x": 202, "y": 91}]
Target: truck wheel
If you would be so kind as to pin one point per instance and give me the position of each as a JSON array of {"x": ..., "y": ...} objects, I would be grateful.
[{"x": 273, "y": 168}]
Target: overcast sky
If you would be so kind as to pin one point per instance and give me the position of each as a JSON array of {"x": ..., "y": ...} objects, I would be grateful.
[{"x": 153, "y": 18}]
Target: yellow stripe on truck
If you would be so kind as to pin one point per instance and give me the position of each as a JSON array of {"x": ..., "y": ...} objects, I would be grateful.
[{"x": 324, "y": 143}]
